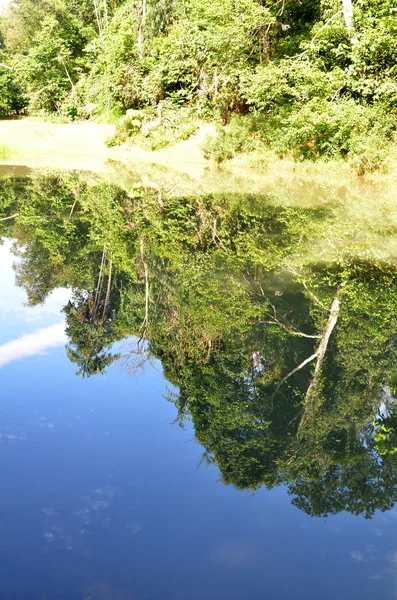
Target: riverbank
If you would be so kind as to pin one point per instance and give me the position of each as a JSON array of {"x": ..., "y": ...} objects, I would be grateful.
[
  {"x": 82, "y": 145},
  {"x": 36, "y": 144}
]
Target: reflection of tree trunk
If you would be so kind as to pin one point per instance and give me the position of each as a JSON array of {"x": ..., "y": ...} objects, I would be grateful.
[
  {"x": 100, "y": 280},
  {"x": 320, "y": 353},
  {"x": 319, "y": 356},
  {"x": 298, "y": 368},
  {"x": 322, "y": 348},
  {"x": 146, "y": 319},
  {"x": 108, "y": 290}
]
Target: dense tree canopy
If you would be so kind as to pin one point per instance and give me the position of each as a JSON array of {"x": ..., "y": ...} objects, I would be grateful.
[{"x": 309, "y": 78}]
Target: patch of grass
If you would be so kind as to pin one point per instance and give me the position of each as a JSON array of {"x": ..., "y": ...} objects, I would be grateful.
[
  {"x": 49, "y": 117},
  {"x": 106, "y": 117},
  {"x": 5, "y": 152}
]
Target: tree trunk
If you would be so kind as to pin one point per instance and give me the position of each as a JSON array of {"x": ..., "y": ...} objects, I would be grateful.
[
  {"x": 348, "y": 14},
  {"x": 141, "y": 28},
  {"x": 97, "y": 17},
  {"x": 105, "y": 9}
]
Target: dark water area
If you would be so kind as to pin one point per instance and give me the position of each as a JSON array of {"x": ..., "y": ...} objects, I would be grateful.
[{"x": 197, "y": 395}]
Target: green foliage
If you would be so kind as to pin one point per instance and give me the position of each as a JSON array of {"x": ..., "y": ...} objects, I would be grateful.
[
  {"x": 305, "y": 85},
  {"x": 318, "y": 129},
  {"x": 48, "y": 70},
  {"x": 173, "y": 126},
  {"x": 115, "y": 77},
  {"x": 243, "y": 134},
  {"x": 5, "y": 152},
  {"x": 11, "y": 100}
]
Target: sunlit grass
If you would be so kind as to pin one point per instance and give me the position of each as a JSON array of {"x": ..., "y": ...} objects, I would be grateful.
[{"x": 5, "y": 152}]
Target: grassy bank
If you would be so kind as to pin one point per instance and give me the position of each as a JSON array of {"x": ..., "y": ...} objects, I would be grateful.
[{"x": 5, "y": 152}]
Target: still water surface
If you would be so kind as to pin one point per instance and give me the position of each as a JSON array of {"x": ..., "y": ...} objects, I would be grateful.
[{"x": 264, "y": 491}]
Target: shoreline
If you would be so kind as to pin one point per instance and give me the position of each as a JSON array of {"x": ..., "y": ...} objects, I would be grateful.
[{"x": 33, "y": 144}]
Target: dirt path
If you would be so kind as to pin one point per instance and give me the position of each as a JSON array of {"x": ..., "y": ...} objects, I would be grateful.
[{"x": 82, "y": 146}]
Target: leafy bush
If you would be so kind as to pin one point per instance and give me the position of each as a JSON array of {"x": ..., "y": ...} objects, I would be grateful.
[
  {"x": 11, "y": 98},
  {"x": 129, "y": 125},
  {"x": 317, "y": 129},
  {"x": 174, "y": 127},
  {"x": 243, "y": 134}
]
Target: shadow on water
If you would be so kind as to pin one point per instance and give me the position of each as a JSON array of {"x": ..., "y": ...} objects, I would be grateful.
[{"x": 276, "y": 322}]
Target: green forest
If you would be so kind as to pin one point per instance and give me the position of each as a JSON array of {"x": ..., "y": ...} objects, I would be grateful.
[
  {"x": 275, "y": 325},
  {"x": 302, "y": 78}
]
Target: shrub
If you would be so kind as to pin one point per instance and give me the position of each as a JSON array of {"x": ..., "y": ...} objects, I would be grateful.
[
  {"x": 175, "y": 126},
  {"x": 11, "y": 99},
  {"x": 243, "y": 134},
  {"x": 316, "y": 129}
]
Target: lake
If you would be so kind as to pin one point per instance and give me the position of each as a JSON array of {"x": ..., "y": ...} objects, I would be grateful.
[{"x": 198, "y": 391}]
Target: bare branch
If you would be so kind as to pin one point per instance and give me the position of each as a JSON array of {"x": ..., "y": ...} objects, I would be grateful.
[{"x": 10, "y": 217}]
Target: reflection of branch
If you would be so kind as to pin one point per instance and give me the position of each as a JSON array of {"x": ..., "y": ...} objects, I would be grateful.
[
  {"x": 321, "y": 350},
  {"x": 276, "y": 321},
  {"x": 100, "y": 278},
  {"x": 298, "y": 368},
  {"x": 136, "y": 359},
  {"x": 108, "y": 289},
  {"x": 319, "y": 353},
  {"x": 291, "y": 331},
  {"x": 291, "y": 270},
  {"x": 145, "y": 323},
  {"x": 10, "y": 217}
]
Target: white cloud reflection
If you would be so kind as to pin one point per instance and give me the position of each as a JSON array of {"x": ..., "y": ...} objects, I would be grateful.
[
  {"x": 33, "y": 343},
  {"x": 13, "y": 300}
]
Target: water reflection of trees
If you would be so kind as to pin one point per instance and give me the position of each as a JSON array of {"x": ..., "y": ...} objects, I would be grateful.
[{"x": 286, "y": 363}]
